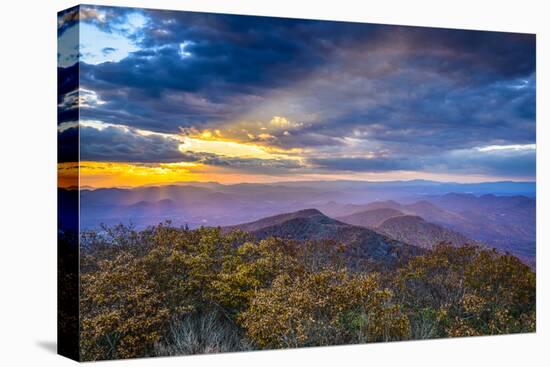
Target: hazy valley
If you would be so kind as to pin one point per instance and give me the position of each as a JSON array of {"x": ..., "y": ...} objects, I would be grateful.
[{"x": 417, "y": 213}]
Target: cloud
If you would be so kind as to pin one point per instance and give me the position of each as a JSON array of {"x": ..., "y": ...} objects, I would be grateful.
[
  {"x": 364, "y": 164},
  {"x": 507, "y": 161},
  {"x": 120, "y": 144},
  {"x": 67, "y": 85},
  {"x": 281, "y": 122},
  {"x": 500, "y": 161},
  {"x": 66, "y": 19},
  {"x": 261, "y": 166},
  {"x": 67, "y": 145},
  {"x": 391, "y": 77},
  {"x": 349, "y": 96},
  {"x": 108, "y": 50}
]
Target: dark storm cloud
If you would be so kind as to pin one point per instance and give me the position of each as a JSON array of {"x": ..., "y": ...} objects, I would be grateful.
[
  {"x": 250, "y": 51},
  {"x": 504, "y": 163},
  {"x": 67, "y": 85},
  {"x": 67, "y": 145},
  {"x": 436, "y": 116},
  {"x": 235, "y": 57},
  {"x": 118, "y": 144},
  {"x": 136, "y": 93},
  {"x": 471, "y": 56},
  {"x": 233, "y": 61},
  {"x": 398, "y": 89}
]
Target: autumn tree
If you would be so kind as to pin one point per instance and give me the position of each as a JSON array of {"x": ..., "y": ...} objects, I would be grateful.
[
  {"x": 323, "y": 308},
  {"x": 461, "y": 291},
  {"x": 167, "y": 290},
  {"x": 253, "y": 266},
  {"x": 128, "y": 301}
]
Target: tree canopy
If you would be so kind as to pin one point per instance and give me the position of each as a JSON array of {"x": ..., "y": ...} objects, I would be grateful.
[{"x": 168, "y": 290}]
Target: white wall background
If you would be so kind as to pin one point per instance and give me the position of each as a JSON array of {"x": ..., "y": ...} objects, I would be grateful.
[{"x": 28, "y": 181}]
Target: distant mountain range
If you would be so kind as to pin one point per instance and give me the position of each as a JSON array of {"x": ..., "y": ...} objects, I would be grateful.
[
  {"x": 505, "y": 221},
  {"x": 398, "y": 189},
  {"x": 211, "y": 203}
]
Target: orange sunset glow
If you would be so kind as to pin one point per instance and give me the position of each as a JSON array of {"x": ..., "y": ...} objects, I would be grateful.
[{"x": 123, "y": 174}]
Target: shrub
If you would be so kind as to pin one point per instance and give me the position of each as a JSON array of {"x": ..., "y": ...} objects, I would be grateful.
[
  {"x": 167, "y": 291},
  {"x": 204, "y": 332},
  {"x": 463, "y": 291},
  {"x": 322, "y": 308},
  {"x": 130, "y": 293},
  {"x": 253, "y": 266}
]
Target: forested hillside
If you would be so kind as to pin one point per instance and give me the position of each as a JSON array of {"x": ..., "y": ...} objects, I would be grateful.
[{"x": 167, "y": 290}]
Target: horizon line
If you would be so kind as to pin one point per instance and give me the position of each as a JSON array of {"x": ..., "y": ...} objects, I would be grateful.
[{"x": 191, "y": 183}]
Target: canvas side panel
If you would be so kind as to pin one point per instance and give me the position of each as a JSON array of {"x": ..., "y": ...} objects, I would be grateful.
[{"x": 68, "y": 181}]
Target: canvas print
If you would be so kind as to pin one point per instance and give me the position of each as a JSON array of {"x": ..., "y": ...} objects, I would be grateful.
[{"x": 235, "y": 183}]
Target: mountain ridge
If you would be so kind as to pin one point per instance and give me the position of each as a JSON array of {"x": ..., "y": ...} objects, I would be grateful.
[
  {"x": 312, "y": 224},
  {"x": 414, "y": 230},
  {"x": 370, "y": 218}
]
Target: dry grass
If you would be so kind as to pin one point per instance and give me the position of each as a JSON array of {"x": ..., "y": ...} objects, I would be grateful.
[{"x": 207, "y": 332}]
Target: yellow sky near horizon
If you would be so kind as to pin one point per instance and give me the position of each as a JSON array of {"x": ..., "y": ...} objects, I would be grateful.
[{"x": 125, "y": 174}]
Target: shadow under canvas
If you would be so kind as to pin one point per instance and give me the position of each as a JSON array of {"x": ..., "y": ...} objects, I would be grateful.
[{"x": 48, "y": 345}]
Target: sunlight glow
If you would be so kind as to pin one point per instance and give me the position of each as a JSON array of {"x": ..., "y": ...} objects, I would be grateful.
[
  {"x": 121, "y": 174},
  {"x": 229, "y": 148}
]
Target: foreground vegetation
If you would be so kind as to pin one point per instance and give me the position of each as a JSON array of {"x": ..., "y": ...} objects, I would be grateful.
[{"x": 169, "y": 291}]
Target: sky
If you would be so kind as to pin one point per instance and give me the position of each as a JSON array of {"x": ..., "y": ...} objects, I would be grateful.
[{"x": 168, "y": 96}]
